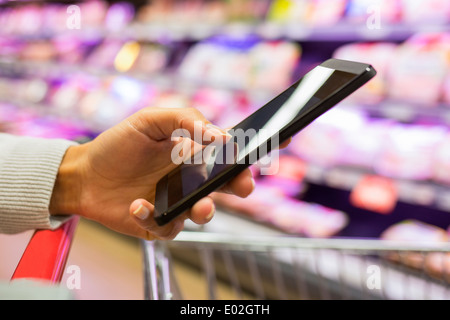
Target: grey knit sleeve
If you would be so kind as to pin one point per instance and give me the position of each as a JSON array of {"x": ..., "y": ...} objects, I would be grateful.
[{"x": 28, "y": 169}]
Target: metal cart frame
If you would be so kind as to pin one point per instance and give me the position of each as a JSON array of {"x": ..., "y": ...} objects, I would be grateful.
[
  {"x": 285, "y": 267},
  {"x": 267, "y": 267}
]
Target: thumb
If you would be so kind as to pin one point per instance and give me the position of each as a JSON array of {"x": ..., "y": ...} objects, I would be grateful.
[{"x": 142, "y": 211}]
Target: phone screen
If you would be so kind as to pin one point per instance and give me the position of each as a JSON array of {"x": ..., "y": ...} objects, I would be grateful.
[{"x": 252, "y": 138}]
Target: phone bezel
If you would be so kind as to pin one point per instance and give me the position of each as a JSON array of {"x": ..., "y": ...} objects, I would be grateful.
[{"x": 364, "y": 73}]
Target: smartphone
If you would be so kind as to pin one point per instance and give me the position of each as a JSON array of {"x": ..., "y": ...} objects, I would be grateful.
[{"x": 257, "y": 135}]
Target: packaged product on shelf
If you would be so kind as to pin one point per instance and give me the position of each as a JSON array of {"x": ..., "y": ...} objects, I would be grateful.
[
  {"x": 28, "y": 121},
  {"x": 232, "y": 69},
  {"x": 52, "y": 128},
  {"x": 375, "y": 193},
  {"x": 257, "y": 205},
  {"x": 118, "y": 16},
  {"x": 70, "y": 49},
  {"x": 172, "y": 99},
  {"x": 322, "y": 141},
  {"x": 272, "y": 64},
  {"x": 8, "y": 117},
  {"x": 306, "y": 219},
  {"x": 377, "y": 54},
  {"x": 358, "y": 11},
  {"x": 54, "y": 18},
  {"x": 243, "y": 104},
  {"x": 441, "y": 167},
  {"x": 418, "y": 69},
  {"x": 284, "y": 172},
  {"x": 446, "y": 91},
  {"x": 438, "y": 264},
  {"x": 245, "y": 63},
  {"x": 154, "y": 11},
  {"x": 98, "y": 110},
  {"x": 288, "y": 11},
  {"x": 435, "y": 263},
  {"x": 109, "y": 101},
  {"x": 414, "y": 230},
  {"x": 268, "y": 204},
  {"x": 93, "y": 13},
  {"x": 360, "y": 138},
  {"x": 65, "y": 94},
  {"x": 360, "y": 148},
  {"x": 104, "y": 55},
  {"x": 151, "y": 58},
  {"x": 113, "y": 100},
  {"x": 38, "y": 50},
  {"x": 322, "y": 222},
  {"x": 127, "y": 55},
  {"x": 25, "y": 20},
  {"x": 324, "y": 13},
  {"x": 426, "y": 11},
  {"x": 247, "y": 11},
  {"x": 129, "y": 91},
  {"x": 34, "y": 90},
  {"x": 310, "y": 13},
  {"x": 408, "y": 151},
  {"x": 188, "y": 13},
  {"x": 212, "y": 102},
  {"x": 9, "y": 47},
  {"x": 317, "y": 144}
]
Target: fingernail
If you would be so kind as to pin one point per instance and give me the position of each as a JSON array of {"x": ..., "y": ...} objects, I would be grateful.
[
  {"x": 253, "y": 184},
  {"x": 217, "y": 130},
  {"x": 211, "y": 214},
  {"x": 141, "y": 212}
]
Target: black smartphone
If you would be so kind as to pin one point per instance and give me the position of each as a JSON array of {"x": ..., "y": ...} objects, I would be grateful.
[{"x": 254, "y": 137}]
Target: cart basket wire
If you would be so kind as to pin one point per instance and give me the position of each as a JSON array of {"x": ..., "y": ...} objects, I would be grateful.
[{"x": 287, "y": 267}]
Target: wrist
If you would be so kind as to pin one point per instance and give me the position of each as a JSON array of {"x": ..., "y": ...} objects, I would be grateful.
[{"x": 65, "y": 197}]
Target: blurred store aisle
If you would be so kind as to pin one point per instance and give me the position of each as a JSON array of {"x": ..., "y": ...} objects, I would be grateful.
[{"x": 110, "y": 264}]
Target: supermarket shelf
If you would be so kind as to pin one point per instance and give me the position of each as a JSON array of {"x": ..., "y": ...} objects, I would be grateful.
[
  {"x": 421, "y": 193},
  {"x": 403, "y": 111},
  {"x": 164, "y": 81},
  {"x": 174, "y": 31},
  {"x": 344, "y": 31}
]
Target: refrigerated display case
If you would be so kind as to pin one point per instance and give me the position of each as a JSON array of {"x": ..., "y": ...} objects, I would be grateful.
[{"x": 375, "y": 162}]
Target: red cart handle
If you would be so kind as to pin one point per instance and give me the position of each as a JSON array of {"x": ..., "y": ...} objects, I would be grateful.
[{"x": 46, "y": 254}]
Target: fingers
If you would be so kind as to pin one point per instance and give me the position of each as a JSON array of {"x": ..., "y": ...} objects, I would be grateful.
[
  {"x": 203, "y": 211},
  {"x": 241, "y": 185},
  {"x": 142, "y": 212},
  {"x": 285, "y": 143},
  {"x": 163, "y": 123}
]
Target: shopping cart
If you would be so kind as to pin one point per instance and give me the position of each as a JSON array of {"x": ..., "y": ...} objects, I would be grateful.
[
  {"x": 46, "y": 254},
  {"x": 285, "y": 267},
  {"x": 272, "y": 266}
]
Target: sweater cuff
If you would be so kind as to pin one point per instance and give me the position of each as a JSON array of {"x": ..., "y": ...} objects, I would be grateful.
[{"x": 27, "y": 178}]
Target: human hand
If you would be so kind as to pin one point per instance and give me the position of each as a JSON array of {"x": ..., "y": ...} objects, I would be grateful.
[{"x": 113, "y": 178}]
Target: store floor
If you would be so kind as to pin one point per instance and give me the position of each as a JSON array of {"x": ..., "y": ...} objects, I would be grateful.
[{"x": 110, "y": 264}]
